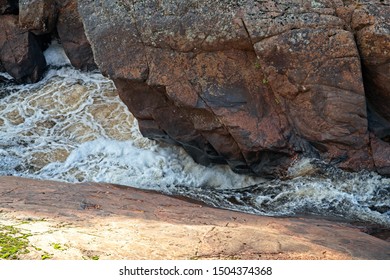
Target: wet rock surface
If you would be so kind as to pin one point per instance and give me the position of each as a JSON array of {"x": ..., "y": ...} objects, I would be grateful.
[
  {"x": 148, "y": 225},
  {"x": 254, "y": 85}
]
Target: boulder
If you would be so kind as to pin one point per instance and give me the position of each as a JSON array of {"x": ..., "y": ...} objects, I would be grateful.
[
  {"x": 149, "y": 225},
  {"x": 71, "y": 33},
  {"x": 51, "y": 18},
  {"x": 38, "y": 16},
  {"x": 254, "y": 84},
  {"x": 20, "y": 52}
]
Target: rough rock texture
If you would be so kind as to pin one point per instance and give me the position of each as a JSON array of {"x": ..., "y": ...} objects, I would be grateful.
[
  {"x": 38, "y": 16},
  {"x": 71, "y": 33},
  {"x": 381, "y": 155},
  {"x": 20, "y": 53},
  {"x": 148, "y": 225},
  {"x": 251, "y": 83},
  {"x": 46, "y": 19},
  {"x": 371, "y": 24},
  {"x": 254, "y": 84}
]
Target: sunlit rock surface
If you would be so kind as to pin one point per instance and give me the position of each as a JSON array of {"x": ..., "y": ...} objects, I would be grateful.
[{"x": 148, "y": 225}]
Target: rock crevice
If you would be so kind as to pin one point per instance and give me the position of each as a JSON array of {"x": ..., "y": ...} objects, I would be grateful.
[{"x": 28, "y": 26}]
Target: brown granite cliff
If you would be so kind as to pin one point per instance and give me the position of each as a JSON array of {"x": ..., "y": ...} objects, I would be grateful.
[{"x": 253, "y": 84}]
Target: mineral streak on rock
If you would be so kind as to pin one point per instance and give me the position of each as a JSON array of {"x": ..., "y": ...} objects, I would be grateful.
[{"x": 250, "y": 83}]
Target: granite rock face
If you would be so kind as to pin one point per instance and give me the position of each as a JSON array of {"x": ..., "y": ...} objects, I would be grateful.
[
  {"x": 254, "y": 84},
  {"x": 20, "y": 53},
  {"x": 371, "y": 24},
  {"x": 38, "y": 16},
  {"x": 71, "y": 33},
  {"x": 28, "y": 26}
]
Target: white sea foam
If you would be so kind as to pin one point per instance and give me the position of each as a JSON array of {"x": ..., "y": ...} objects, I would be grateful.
[
  {"x": 6, "y": 76},
  {"x": 151, "y": 167},
  {"x": 55, "y": 55},
  {"x": 71, "y": 126}
]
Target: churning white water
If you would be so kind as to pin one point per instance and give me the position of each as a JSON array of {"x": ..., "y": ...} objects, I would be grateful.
[{"x": 71, "y": 126}]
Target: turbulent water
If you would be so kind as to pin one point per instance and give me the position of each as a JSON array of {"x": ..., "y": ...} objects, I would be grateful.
[{"x": 71, "y": 126}]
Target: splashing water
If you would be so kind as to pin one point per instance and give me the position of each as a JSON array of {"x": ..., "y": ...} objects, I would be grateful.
[{"x": 71, "y": 126}]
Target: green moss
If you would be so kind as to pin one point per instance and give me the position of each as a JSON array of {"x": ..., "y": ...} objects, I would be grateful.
[
  {"x": 94, "y": 258},
  {"x": 58, "y": 246},
  {"x": 37, "y": 248},
  {"x": 13, "y": 242},
  {"x": 46, "y": 256}
]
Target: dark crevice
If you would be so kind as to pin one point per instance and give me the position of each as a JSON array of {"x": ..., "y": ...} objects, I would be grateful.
[
  {"x": 247, "y": 32},
  {"x": 222, "y": 124}
]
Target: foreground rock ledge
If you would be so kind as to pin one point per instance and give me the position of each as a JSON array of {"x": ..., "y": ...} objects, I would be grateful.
[{"x": 115, "y": 222}]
